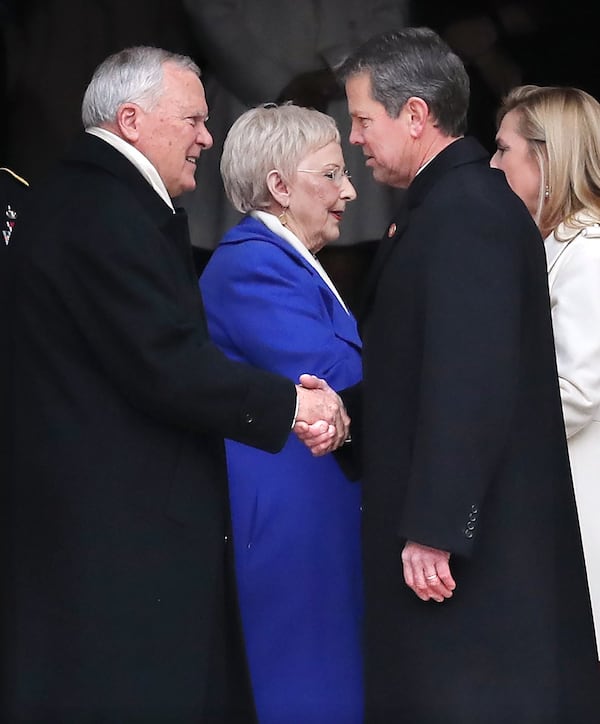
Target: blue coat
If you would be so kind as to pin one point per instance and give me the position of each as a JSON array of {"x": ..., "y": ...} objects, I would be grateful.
[{"x": 296, "y": 518}]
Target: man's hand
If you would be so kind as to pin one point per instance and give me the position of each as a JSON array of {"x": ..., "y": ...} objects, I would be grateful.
[
  {"x": 427, "y": 572},
  {"x": 322, "y": 422},
  {"x": 320, "y": 437}
]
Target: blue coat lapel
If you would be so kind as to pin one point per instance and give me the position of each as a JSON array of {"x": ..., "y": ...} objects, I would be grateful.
[{"x": 344, "y": 324}]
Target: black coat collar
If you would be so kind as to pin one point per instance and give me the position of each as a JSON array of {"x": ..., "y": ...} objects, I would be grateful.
[
  {"x": 458, "y": 153},
  {"x": 93, "y": 151}
]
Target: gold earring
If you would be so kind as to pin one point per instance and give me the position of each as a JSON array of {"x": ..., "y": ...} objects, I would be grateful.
[{"x": 283, "y": 217}]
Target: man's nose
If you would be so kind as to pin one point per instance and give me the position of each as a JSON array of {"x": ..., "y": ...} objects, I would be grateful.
[{"x": 204, "y": 138}]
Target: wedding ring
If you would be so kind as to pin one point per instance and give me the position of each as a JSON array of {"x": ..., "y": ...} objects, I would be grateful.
[{"x": 431, "y": 578}]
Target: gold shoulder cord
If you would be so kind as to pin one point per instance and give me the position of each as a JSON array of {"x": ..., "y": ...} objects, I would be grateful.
[{"x": 14, "y": 175}]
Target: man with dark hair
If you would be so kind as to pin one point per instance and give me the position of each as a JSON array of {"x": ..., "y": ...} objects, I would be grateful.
[{"x": 477, "y": 608}]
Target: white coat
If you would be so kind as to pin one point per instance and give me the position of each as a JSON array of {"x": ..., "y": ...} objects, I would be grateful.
[{"x": 574, "y": 283}]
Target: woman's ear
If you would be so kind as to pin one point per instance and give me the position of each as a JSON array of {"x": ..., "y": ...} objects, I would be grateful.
[{"x": 278, "y": 188}]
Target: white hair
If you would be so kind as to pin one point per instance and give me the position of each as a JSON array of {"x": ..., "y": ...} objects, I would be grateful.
[
  {"x": 133, "y": 75},
  {"x": 270, "y": 137}
]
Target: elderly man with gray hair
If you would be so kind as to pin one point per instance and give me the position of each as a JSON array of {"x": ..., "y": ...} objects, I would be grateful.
[{"x": 123, "y": 602}]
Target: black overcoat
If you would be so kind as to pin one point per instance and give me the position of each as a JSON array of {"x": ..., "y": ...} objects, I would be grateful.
[
  {"x": 464, "y": 450},
  {"x": 119, "y": 505}
]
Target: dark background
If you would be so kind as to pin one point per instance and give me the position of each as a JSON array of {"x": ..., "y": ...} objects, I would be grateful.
[{"x": 49, "y": 49}]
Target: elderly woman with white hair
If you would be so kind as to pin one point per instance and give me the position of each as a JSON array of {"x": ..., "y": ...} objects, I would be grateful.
[{"x": 296, "y": 518}]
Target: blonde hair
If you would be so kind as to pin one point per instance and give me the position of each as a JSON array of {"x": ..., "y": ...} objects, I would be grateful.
[
  {"x": 266, "y": 138},
  {"x": 562, "y": 128}
]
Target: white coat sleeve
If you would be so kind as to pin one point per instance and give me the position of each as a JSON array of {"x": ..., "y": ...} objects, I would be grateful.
[{"x": 575, "y": 299}]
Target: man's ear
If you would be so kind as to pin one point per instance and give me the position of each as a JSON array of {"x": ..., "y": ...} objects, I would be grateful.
[
  {"x": 278, "y": 187},
  {"x": 128, "y": 121},
  {"x": 418, "y": 113}
]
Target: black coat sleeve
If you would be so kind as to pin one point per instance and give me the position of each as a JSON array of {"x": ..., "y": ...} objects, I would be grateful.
[{"x": 129, "y": 297}]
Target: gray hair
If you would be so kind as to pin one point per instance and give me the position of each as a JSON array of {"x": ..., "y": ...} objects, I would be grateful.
[
  {"x": 133, "y": 75},
  {"x": 270, "y": 137},
  {"x": 414, "y": 62}
]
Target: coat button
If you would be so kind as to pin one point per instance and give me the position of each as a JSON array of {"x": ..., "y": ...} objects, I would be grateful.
[
  {"x": 468, "y": 533},
  {"x": 249, "y": 418},
  {"x": 474, "y": 509}
]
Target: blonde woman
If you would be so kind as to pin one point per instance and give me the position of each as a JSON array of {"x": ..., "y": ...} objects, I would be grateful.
[{"x": 548, "y": 145}]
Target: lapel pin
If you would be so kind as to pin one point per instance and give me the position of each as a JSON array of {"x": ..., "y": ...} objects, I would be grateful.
[{"x": 392, "y": 230}]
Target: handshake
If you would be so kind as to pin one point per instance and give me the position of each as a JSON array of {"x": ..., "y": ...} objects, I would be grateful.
[{"x": 322, "y": 422}]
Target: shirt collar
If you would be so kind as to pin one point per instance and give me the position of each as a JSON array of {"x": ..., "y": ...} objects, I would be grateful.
[{"x": 143, "y": 165}]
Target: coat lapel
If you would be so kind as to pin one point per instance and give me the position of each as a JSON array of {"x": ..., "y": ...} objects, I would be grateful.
[
  {"x": 459, "y": 152},
  {"x": 249, "y": 229},
  {"x": 90, "y": 150},
  {"x": 394, "y": 233},
  {"x": 554, "y": 250},
  {"x": 344, "y": 324}
]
